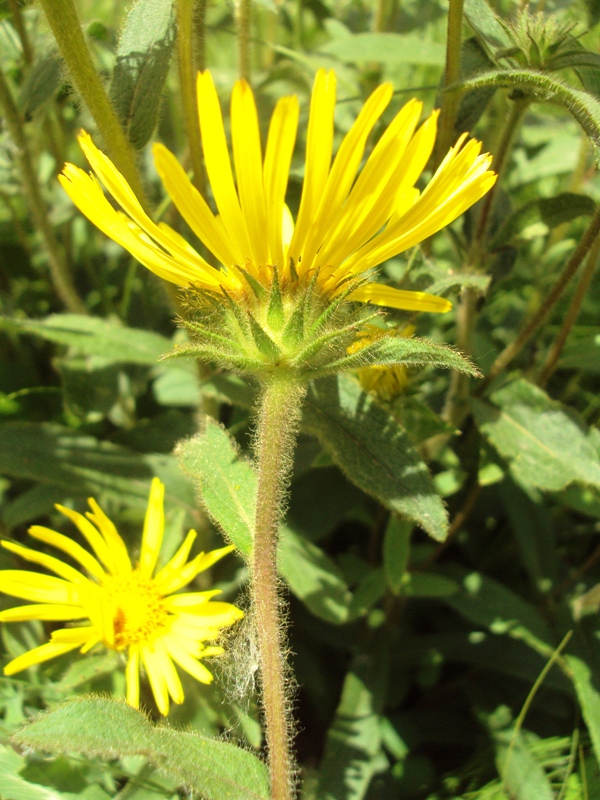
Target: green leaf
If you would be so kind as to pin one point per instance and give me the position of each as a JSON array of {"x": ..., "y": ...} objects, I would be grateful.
[
  {"x": 520, "y": 770},
  {"x": 80, "y": 465},
  {"x": 491, "y": 605},
  {"x": 374, "y": 451},
  {"x": 473, "y": 60},
  {"x": 428, "y": 584},
  {"x": 106, "y": 339},
  {"x": 353, "y": 750},
  {"x": 107, "y": 728},
  {"x": 545, "y": 445},
  {"x": 385, "y": 48},
  {"x": 396, "y": 552},
  {"x": 227, "y": 484},
  {"x": 484, "y": 21},
  {"x": 459, "y": 280},
  {"x": 313, "y": 578},
  {"x": 588, "y": 697},
  {"x": 142, "y": 66},
  {"x": 42, "y": 81},
  {"x": 14, "y": 787},
  {"x": 551, "y": 211},
  {"x": 582, "y": 354},
  {"x": 225, "y": 481}
]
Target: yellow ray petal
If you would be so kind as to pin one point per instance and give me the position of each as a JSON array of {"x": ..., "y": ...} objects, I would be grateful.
[
  {"x": 107, "y": 528},
  {"x": 36, "y": 656},
  {"x": 132, "y": 676},
  {"x": 186, "y": 662},
  {"x": 121, "y": 191},
  {"x": 177, "y": 580},
  {"x": 39, "y": 588},
  {"x": 79, "y": 636},
  {"x": 169, "y": 672},
  {"x": 247, "y": 157},
  {"x": 86, "y": 193},
  {"x": 44, "y": 611},
  {"x": 371, "y": 200},
  {"x": 278, "y": 157},
  {"x": 189, "y": 601},
  {"x": 158, "y": 683},
  {"x": 193, "y": 208},
  {"x": 381, "y": 295},
  {"x": 92, "y": 536},
  {"x": 54, "y": 564},
  {"x": 154, "y": 527},
  {"x": 343, "y": 173},
  {"x": 87, "y": 560},
  {"x": 178, "y": 560},
  {"x": 319, "y": 142},
  {"x": 218, "y": 165}
]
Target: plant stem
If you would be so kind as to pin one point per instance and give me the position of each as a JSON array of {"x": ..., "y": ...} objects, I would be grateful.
[
  {"x": 59, "y": 268},
  {"x": 571, "y": 315},
  {"x": 500, "y": 162},
  {"x": 187, "y": 78},
  {"x": 457, "y": 399},
  {"x": 62, "y": 18},
  {"x": 450, "y": 99},
  {"x": 200, "y": 34},
  {"x": 278, "y": 422},
  {"x": 569, "y": 270},
  {"x": 244, "y": 25},
  {"x": 17, "y": 19}
]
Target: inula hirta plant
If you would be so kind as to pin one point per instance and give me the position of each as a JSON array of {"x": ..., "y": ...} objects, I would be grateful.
[
  {"x": 291, "y": 295},
  {"x": 136, "y": 608},
  {"x": 273, "y": 294}
]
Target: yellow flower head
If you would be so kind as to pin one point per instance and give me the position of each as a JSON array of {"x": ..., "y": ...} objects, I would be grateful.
[
  {"x": 349, "y": 219},
  {"x": 124, "y": 607},
  {"x": 386, "y": 382}
]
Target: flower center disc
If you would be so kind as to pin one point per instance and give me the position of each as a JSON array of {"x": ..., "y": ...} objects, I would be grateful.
[{"x": 136, "y": 607}]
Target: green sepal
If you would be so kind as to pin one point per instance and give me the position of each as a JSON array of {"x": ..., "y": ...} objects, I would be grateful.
[
  {"x": 258, "y": 289},
  {"x": 236, "y": 313},
  {"x": 293, "y": 333},
  {"x": 395, "y": 351},
  {"x": 275, "y": 314},
  {"x": 348, "y": 332},
  {"x": 263, "y": 341},
  {"x": 335, "y": 304},
  {"x": 207, "y": 336}
]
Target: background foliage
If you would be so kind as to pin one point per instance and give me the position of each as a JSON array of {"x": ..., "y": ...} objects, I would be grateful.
[{"x": 417, "y": 661}]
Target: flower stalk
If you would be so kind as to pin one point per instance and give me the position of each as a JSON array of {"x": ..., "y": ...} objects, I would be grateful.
[
  {"x": 451, "y": 98},
  {"x": 187, "y": 79},
  {"x": 59, "y": 268},
  {"x": 66, "y": 27},
  {"x": 244, "y": 24},
  {"x": 278, "y": 422}
]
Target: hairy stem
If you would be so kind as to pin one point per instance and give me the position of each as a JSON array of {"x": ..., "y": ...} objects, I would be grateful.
[
  {"x": 187, "y": 79},
  {"x": 244, "y": 25},
  {"x": 200, "y": 33},
  {"x": 59, "y": 269},
  {"x": 571, "y": 315},
  {"x": 569, "y": 270},
  {"x": 451, "y": 99},
  {"x": 17, "y": 20},
  {"x": 278, "y": 421},
  {"x": 62, "y": 18}
]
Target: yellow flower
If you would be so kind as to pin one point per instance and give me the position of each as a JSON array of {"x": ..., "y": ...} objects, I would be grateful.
[
  {"x": 124, "y": 607},
  {"x": 386, "y": 382},
  {"x": 349, "y": 219}
]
